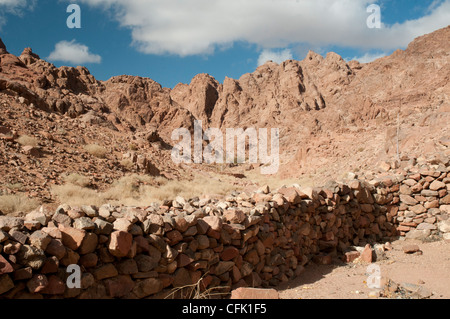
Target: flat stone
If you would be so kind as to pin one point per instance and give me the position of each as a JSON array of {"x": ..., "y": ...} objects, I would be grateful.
[
  {"x": 429, "y": 193},
  {"x": 84, "y": 223},
  {"x": 105, "y": 271},
  {"x": 410, "y": 249},
  {"x": 436, "y": 185},
  {"x": 408, "y": 200},
  {"x": 418, "y": 234},
  {"x": 254, "y": 293},
  {"x": 444, "y": 226},
  {"x": 426, "y": 226}
]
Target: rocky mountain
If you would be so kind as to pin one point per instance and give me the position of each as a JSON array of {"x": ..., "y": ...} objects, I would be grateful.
[{"x": 334, "y": 116}]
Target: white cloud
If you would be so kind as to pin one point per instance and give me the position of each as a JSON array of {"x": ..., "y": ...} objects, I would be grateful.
[
  {"x": 368, "y": 57},
  {"x": 11, "y": 4},
  {"x": 15, "y": 7},
  {"x": 190, "y": 27},
  {"x": 275, "y": 56},
  {"x": 74, "y": 53}
]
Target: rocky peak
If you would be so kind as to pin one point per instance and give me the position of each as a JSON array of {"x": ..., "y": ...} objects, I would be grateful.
[
  {"x": 28, "y": 57},
  {"x": 2, "y": 47}
]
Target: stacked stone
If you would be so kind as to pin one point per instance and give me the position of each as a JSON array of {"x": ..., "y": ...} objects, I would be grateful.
[
  {"x": 422, "y": 199},
  {"x": 246, "y": 240}
]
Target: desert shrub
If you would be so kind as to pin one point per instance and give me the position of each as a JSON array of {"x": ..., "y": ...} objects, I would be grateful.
[
  {"x": 96, "y": 150},
  {"x": 26, "y": 140},
  {"x": 133, "y": 147},
  {"x": 17, "y": 203},
  {"x": 77, "y": 179},
  {"x": 76, "y": 195},
  {"x": 127, "y": 163},
  {"x": 141, "y": 190}
]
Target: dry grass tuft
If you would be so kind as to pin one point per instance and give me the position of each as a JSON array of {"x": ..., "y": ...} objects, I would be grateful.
[
  {"x": 76, "y": 195},
  {"x": 96, "y": 150},
  {"x": 77, "y": 179},
  {"x": 127, "y": 164},
  {"x": 141, "y": 190},
  {"x": 17, "y": 203},
  {"x": 26, "y": 140}
]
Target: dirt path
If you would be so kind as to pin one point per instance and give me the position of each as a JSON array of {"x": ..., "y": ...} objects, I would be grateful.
[{"x": 430, "y": 270}]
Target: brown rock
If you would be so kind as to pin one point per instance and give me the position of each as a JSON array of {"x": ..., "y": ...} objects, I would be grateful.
[
  {"x": 72, "y": 237},
  {"x": 122, "y": 224},
  {"x": 40, "y": 239},
  {"x": 222, "y": 267},
  {"x": 229, "y": 253},
  {"x": 182, "y": 278},
  {"x": 174, "y": 237},
  {"x": 70, "y": 258},
  {"x": 291, "y": 194},
  {"x": 89, "y": 260},
  {"x": 214, "y": 222},
  {"x": 55, "y": 286},
  {"x": 410, "y": 249},
  {"x": 5, "y": 266},
  {"x": 37, "y": 283},
  {"x": 366, "y": 254},
  {"x": 56, "y": 248},
  {"x": 105, "y": 271},
  {"x": 89, "y": 244},
  {"x": 408, "y": 200},
  {"x": 436, "y": 185},
  {"x": 351, "y": 256},
  {"x": 120, "y": 243},
  {"x": 23, "y": 273},
  {"x": 119, "y": 286},
  {"x": 6, "y": 284},
  {"x": 50, "y": 266},
  {"x": 147, "y": 287},
  {"x": 234, "y": 216}
]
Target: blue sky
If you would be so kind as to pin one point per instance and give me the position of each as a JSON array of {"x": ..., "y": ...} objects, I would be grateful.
[{"x": 172, "y": 41}]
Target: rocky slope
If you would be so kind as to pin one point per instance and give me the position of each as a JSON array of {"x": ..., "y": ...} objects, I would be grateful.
[{"x": 333, "y": 116}]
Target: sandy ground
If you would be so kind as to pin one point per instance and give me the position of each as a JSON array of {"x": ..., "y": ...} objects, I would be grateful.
[{"x": 349, "y": 281}]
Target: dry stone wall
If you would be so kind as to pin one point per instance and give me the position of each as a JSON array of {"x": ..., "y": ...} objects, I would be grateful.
[{"x": 256, "y": 240}]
